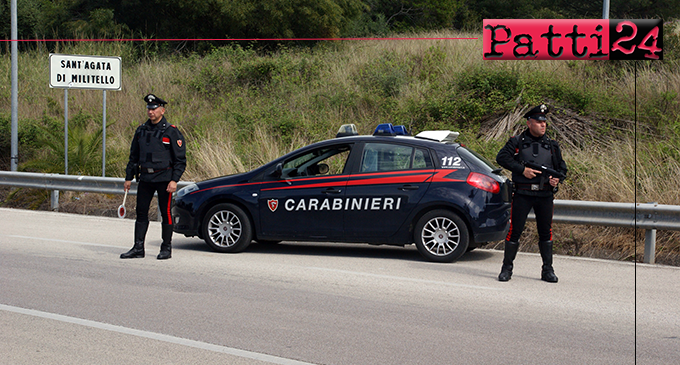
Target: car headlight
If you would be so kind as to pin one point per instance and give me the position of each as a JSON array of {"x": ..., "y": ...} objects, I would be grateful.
[{"x": 186, "y": 190}]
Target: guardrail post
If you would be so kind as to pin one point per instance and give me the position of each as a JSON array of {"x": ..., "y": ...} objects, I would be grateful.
[
  {"x": 650, "y": 246},
  {"x": 54, "y": 201},
  {"x": 650, "y": 237}
]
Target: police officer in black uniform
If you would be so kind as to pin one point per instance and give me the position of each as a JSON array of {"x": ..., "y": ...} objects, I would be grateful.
[
  {"x": 532, "y": 189},
  {"x": 157, "y": 161}
]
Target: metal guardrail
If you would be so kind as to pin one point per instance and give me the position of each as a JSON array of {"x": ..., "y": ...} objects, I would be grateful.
[
  {"x": 632, "y": 215},
  {"x": 57, "y": 182},
  {"x": 104, "y": 185},
  {"x": 649, "y": 216}
]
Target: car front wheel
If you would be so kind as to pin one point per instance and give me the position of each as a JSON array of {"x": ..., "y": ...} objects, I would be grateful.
[
  {"x": 441, "y": 236},
  {"x": 227, "y": 228}
]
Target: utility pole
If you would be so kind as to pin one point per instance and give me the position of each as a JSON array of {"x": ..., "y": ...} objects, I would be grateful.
[
  {"x": 605, "y": 9},
  {"x": 14, "y": 158}
]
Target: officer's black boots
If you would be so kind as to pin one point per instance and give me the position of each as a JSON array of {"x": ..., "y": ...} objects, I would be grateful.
[
  {"x": 166, "y": 249},
  {"x": 509, "y": 256},
  {"x": 547, "y": 272},
  {"x": 137, "y": 250}
]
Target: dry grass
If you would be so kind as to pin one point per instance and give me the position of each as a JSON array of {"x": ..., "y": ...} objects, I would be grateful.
[{"x": 217, "y": 156}]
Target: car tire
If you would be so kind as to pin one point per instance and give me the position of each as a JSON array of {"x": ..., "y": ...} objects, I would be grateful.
[
  {"x": 227, "y": 228},
  {"x": 441, "y": 236}
]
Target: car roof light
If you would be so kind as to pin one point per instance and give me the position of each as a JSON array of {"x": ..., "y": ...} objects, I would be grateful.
[
  {"x": 385, "y": 129},
  {"x": 347, "y": 130},
  {"x": 447, "y": 137},
  {"x": 400, "y": 130}
]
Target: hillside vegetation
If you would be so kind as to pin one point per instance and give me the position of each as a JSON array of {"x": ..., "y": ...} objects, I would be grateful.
[{"x": 618, "y": 122}]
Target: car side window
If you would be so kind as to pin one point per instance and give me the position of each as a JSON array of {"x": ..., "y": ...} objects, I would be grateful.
[
  {"x": 421, "y": 159},
  {"x": 380, "y": 157},
  {"x": 322, "y": 161}
]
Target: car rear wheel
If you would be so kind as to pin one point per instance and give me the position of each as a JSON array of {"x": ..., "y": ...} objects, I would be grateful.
[
  {"x": 441, "y": 236},
  {"x": 226, "y": 228}
]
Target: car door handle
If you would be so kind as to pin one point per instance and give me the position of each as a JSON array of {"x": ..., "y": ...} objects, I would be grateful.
[
  {"x": 332, "y": 191},
  {"x": 409, "y": 187}
]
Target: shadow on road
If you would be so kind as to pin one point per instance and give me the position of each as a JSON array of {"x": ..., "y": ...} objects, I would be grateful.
[{"x": 409, "y": 252}]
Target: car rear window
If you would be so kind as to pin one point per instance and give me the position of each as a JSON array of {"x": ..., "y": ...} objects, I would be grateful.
[{"x": 473, "y": 158}]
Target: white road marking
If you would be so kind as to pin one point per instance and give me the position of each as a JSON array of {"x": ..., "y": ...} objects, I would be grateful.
[{"x": 155, "y": 336}]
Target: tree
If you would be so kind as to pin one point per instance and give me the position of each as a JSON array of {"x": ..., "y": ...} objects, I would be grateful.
[
  {"x": 301, "y": 18},
  {"x": 27, "y": 19},
  {"x": 402, "y": 15},
  {"x": 239, "y": 18}
]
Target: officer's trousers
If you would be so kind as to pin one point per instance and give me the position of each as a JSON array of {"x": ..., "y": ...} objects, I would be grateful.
[
  {"x": 145, "y": 191},
  {"x": 543, "y": 209}
]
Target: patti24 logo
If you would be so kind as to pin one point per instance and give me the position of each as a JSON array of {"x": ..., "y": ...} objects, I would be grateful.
[{"x": 573, "y": 39}]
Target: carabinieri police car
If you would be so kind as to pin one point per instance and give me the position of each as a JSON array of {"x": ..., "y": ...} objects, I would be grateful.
[{"x": 386, "y": 188}]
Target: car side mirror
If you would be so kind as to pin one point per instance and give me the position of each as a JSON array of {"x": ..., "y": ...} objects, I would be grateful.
[
  {"x": 278, "y": 170},
  {"x": 322, "y": 168}
]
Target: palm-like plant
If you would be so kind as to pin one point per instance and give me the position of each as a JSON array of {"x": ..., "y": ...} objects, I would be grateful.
[
  {"x": 84, "y": 148},
  {"x": 84, "y": 155}
]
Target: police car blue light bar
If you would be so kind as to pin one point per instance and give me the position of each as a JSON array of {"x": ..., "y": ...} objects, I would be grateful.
[
  {"x": 400, "y": 130},
  {"x": 385, "y": 129}
]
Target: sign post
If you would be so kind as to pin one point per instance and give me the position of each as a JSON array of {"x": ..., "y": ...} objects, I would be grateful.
[{"x": 85, "y": 72}]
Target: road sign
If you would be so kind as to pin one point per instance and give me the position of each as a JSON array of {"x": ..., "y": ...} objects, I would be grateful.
[{"x": 85, "y": 72}]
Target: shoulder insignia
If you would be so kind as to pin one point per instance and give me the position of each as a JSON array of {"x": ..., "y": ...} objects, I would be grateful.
[{"x": 179, "y": 143}]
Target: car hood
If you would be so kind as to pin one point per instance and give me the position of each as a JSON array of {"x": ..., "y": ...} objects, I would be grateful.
[{"x": 227, "y": 179}]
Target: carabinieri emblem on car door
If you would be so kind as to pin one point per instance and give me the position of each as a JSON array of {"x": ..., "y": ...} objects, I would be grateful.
[{"x": 273, "y": 204}]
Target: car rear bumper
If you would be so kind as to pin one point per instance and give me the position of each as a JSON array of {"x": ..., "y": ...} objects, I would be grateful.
[{"x": 495, "y": 226}]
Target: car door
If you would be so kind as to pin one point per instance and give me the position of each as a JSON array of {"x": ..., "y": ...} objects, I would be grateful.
[
  {"x": 305, "y": 199},
  {"x": 385, "y": 188}
]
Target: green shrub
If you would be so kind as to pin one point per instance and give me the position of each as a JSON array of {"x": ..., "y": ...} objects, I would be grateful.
[
  {"x": 432, "y": 64},
  {"x": 5, "y": 134},
  {"x": 484, "y": 91},
  {"x": 385, "y": 75},
  {"x": 27, "y": 133}
]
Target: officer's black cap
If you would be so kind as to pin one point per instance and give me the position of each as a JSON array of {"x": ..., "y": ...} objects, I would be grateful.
[
  {"x": 153, "y": 101},
  {"x": 537, "y": 112}
]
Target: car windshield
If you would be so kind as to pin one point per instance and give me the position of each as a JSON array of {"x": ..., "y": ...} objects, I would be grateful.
[
  {"x": 322, "y": 161},
  {"x": 472, "y": 157}
]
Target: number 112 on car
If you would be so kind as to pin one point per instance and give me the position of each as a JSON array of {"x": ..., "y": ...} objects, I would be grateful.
[{"x": 451, "y": 162}]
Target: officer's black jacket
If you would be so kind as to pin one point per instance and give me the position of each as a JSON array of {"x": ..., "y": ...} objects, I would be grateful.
[
  {"x": 509, "y": 158},
  {"x": 158, "y": 151}
]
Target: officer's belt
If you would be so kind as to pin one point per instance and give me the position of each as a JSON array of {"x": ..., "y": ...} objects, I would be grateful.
[
  {"x": 149, "y": 170},
  {"x": 533, "y": 187}
]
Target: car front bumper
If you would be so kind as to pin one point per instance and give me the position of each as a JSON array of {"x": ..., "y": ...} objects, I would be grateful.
[{"x": 183, "y": 222}]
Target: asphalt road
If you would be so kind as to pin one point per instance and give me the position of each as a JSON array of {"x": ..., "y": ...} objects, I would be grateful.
[{"x": 66, "y": 298}]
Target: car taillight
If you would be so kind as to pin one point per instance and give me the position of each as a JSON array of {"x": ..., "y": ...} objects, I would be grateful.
[{"x": 483, "y": 182}]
